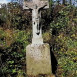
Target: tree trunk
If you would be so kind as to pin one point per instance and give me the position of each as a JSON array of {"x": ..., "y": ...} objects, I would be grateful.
[
  {"x": 64, "y": 1},
  {"x": 70, "y": 1}
]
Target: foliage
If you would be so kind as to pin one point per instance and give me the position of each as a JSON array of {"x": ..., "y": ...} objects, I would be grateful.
[
  {"x": 64, "y": 42},
  {"x": 13, "y": 56}
]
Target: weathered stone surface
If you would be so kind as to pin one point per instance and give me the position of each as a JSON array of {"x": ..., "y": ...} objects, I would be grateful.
[
  {"x": 37, "y": 54},
  {"x": 36, "y": 6},
  {"x": 40, "y": 3},
  {"x": 38, "y": 59}
]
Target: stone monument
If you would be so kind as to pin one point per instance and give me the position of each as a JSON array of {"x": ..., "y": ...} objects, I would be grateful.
[{"x": 38, "y": 53}]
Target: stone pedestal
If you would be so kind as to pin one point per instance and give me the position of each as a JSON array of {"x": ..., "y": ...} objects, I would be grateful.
[{"x": 38, "y": 59}]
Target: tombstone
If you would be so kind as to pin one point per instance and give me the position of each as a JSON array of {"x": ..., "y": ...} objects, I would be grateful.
[{"x": 38, "y": 53}]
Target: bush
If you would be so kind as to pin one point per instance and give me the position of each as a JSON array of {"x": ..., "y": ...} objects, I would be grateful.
[{"x": 13, "y": 56}]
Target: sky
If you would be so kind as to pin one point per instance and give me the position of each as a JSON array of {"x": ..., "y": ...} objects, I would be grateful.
[{"x": 4, "y": 1}]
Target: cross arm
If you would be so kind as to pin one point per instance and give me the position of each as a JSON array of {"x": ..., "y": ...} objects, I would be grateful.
[
  {"x": 43, "y": 4},
  {"x": 27, "y": 5}
]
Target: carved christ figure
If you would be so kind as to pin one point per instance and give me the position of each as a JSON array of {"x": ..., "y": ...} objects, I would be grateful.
[{"x": 36, "y": 6}]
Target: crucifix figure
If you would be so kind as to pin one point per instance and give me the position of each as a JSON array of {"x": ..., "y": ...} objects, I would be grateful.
[{"x": 36, "y": 6}]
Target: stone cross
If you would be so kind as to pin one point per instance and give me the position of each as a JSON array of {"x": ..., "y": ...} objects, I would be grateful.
[
  {"x": 36, "y": 6},
  {"x": 38, "y": 60}
]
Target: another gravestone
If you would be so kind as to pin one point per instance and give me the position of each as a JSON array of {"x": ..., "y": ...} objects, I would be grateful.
[{"x": 38, "y": 53}]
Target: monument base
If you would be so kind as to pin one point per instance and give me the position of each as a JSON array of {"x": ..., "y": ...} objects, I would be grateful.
[{"x": 38, "y": 60}]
